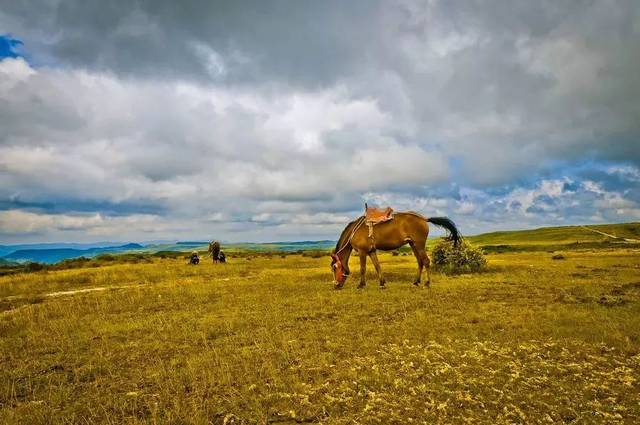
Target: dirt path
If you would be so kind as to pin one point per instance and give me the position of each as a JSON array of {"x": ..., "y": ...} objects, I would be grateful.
[
  {"x": 59, "y": 294},
  {"x": 609, "y": 235},
  {"x": 70, "y": 292},
  {"x": 80, "y": 291}
]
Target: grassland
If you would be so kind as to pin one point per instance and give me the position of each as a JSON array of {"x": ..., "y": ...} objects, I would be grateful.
[
  {"x": 560, "y": 235},
  {"x": 265, "y": 339}
]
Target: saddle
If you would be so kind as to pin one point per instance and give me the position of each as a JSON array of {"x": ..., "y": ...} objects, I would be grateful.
[{"x": 375, "y": 215}]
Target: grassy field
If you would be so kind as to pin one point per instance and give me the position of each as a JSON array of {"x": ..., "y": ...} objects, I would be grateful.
[{"x": 265, "y": 339}]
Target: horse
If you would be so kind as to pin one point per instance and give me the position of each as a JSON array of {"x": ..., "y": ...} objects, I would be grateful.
[
  {"x": 214, "y": 250},
  {"x": 194, "y": 259},
  {"x": 404, "y": 228}
]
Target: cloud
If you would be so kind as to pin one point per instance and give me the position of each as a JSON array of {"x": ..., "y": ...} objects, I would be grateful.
[
  {"x": 193, "y": 151},
  {"x": 218, "y": 113},
  {"x": 17, "y": 222}
]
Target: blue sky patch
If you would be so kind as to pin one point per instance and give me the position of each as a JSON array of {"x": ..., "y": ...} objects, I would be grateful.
[{"x": 10, "y": 47}]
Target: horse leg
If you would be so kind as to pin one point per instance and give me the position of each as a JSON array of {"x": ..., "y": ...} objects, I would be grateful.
[
  {"x": 420, "y": 259},
  {"x": 427, "y": 265},
  {"x": 363, "y": 270},
  {"x": 376, "y": 264}
]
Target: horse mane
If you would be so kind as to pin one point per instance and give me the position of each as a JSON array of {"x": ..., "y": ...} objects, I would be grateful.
[{"x": 344, "y": 234}]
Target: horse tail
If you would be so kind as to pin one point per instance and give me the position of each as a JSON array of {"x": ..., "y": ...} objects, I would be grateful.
[{"x": 447, "y": 223}]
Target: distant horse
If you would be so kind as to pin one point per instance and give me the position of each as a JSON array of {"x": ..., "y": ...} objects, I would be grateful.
[
  {"x": 214, "y": 250},
  {"x": 404, "y": 228},
  {"x": 194, "y": 259}
]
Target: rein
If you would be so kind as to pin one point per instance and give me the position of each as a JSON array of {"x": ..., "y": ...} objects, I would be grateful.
[{"x": 353, "y": 232}]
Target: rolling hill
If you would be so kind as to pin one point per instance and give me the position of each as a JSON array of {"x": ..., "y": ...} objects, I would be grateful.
[
  {"x": 559, "y": 235},
  {"x": 53, "y": 255},
  {"x": 6, "y": 263},
  {"x": 563, "y": 237}
]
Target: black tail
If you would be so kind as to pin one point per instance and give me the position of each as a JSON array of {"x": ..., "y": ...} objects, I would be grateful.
[{"x": 445, "y": 222}]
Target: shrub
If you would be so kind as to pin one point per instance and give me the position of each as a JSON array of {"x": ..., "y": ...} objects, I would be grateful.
[
  {"x": 314, "y": 254},
  {"x": 105, "y": 257},
  {"x": 168, "y": 254},
  {"x": 133, "y": 258},
  {"x": 71, "y": 263},
  {"x": 34, "y": 267},
  {"x": 463, "y": 258}
]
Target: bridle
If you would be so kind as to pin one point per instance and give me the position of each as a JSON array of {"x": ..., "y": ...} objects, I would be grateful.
[{"x": 335, "y": 257}]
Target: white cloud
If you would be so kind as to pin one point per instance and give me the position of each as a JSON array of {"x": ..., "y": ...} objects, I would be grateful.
[
  {"x": 17, "y": 222},
  {"x": 196, "y": 151}
]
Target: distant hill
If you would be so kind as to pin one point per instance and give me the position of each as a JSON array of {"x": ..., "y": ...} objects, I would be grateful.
[
  {"x": 8, "y": 249},
  {"x": 130, "y": 246},
  {"x": 53, "y": 255},
  {"x": 245, "y": 246},
  {"x": 563, "y": 234},
  {"x": 563, "y": 237},
  {"x": 281, "y": 246},
  {"x": 6, "y": 263}
]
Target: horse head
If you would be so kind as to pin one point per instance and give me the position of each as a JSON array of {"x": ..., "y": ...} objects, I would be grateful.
[{"x": 339, "y": 274}]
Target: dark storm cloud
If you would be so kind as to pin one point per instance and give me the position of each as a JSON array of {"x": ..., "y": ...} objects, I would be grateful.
[
  {"x": 62, "y": 205},
  {"x": 306, "y": 42}
]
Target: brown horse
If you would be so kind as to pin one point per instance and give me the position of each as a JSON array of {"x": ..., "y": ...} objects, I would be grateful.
[
  {"x": 214, "y": 250},
  {"x": 405, "y": 228}
]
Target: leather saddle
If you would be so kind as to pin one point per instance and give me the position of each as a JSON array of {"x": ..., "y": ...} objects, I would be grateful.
[{"x": 375, "y": 215}]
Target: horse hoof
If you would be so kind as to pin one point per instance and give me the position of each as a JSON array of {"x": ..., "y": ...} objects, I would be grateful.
[
  {"x": 382, "y": 286},
  {"x": 361, "y": 286},
  {"x": 417, "y": 283}
]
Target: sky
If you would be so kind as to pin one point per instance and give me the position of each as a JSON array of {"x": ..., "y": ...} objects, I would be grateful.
[{"x": 265, "y": 121}]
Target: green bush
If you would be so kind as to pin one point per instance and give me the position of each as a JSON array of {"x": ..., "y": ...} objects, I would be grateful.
[
  {"x": 168, "y": 254},
  {"x": 314, "y": 253},
  {"x": 463, "y": 258},
  {"x": 105, "y": 257},
  {"x": 34, "y": 267}
]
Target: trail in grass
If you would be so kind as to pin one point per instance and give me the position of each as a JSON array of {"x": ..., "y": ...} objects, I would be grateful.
[{"x": 610, "y": 235}]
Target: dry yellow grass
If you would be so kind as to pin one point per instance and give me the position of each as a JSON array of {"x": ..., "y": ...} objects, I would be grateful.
[{"x": 532, "y": 340}]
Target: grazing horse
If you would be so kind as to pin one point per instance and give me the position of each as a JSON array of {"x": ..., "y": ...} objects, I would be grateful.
[
  {"x": 405, "y": 228},
  {"x": 194, "y": 259},
  {"x": 214, "y": 250}
]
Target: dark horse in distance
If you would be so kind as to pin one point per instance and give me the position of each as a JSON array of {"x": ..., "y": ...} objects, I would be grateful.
[
  {"x": 214, "y": 250},
  {"x": 401, "y": 229}
]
